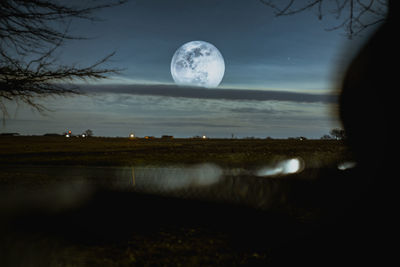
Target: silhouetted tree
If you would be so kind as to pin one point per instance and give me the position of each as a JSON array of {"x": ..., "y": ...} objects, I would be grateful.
[
  {"x": 326, "y": 137},
  {"x": 338, "y": 134},
  {"x": 88, "y": 133},
  {"x": 30, "y": 32},
  {"x": 355, "y": 15}
]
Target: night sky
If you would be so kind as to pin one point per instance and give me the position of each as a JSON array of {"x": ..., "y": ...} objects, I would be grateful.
[{"x": 281, "y": 73}]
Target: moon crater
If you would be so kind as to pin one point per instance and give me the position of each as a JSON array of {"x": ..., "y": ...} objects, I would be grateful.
[{"x": 198, "y": 63}]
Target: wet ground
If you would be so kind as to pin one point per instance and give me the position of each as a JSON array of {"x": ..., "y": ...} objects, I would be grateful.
[{"x": 192, "y": 215}]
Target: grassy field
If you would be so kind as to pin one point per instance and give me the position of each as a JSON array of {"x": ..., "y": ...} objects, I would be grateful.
[
  {"x": 127, "y": 152},
  {"x": 51, "y": 222}
]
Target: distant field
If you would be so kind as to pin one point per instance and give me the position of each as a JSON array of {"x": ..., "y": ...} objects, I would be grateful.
[{"x": 94, "y": 151}]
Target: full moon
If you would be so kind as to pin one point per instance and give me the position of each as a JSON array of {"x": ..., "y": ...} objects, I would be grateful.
[{"x": 198, "y": 63}]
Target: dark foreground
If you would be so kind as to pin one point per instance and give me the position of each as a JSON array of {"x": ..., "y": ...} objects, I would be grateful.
[{"x": 68, "y": 215}]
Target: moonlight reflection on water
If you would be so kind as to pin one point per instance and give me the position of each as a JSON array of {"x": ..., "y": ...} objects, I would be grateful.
[
  {"x": 174, "y": 178},
  {"x": 283, "y": 167}
]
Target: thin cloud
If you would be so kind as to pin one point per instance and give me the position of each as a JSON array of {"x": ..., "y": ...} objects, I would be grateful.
[
  {"x": 203, "y": 93},
  {"x": 242, "y": 110},
  {"x": 199, "y": 124}
]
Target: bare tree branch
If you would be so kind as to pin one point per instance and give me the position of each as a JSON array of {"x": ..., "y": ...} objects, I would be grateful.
[
  {"x": 30, "y": 33},
  {"x": 356, "y": 15}
]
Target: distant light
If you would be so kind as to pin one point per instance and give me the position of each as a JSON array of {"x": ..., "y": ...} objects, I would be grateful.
[
  {"x": 132, "y": 135},
  {"x": 83, "y": 135},
  {"x": 67, "y": 135},
  {"x": 204, "y": 137}
]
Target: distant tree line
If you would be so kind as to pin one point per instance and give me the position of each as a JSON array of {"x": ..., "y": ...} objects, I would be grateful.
[{"x": 338, "y": 134}]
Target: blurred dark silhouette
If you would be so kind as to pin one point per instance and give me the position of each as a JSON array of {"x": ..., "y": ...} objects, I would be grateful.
[
  {"x": 363, "y": 232},
  {"x": 366, "y": 91},
  {"x": 365, "y": 104},
  {"x": 361, "y": 199}
]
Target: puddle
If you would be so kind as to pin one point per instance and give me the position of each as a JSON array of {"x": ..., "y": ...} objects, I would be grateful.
[
  {"x": 70, "y": 185},
  {"x": 175, "y": 177}
]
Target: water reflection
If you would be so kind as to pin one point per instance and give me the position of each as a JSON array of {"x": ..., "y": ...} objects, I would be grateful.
[
  {"x": 175, "y": 177},
  {"x": 346, "y": 165},
  {"x": 72, "y": 186},
  {"x": 202, "y": 176},
  {"x": 214, "y": 183},
  {"x": 282, "y": 168}
]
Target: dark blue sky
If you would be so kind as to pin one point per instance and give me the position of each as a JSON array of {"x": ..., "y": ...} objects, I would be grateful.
[
  {"x": 260, "y": 50},
  {"x": 292, "y": 54}
]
